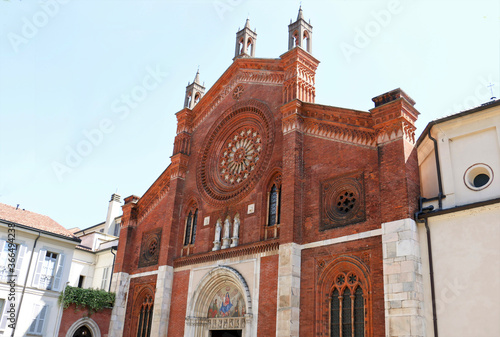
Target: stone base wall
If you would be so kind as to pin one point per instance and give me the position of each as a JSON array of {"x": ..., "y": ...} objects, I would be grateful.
[
  {"x": 403, "y": 282},
  {"x": 120, "y": 285}
]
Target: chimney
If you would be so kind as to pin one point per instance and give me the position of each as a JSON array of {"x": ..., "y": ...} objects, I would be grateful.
[{"x": 114, "y": 209}]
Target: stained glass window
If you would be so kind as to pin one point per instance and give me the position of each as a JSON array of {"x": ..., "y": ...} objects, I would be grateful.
[
  {"x": 188, "y": 229},
  {"x": 347, "y": 311},
  {"x": 274, "y": 206},
  {"x": 145, "y": 317}
]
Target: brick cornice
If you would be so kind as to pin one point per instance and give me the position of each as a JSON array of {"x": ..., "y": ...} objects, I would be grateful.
[
  {"x": 242, "y": 70},
  {"x": 154, "y": 194},
  {"x": 250, "y": 249},
  {"x": 326, "y": 122}
]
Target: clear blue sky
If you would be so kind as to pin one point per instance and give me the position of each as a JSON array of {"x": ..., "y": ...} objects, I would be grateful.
[{"x": 67, "y": 68}]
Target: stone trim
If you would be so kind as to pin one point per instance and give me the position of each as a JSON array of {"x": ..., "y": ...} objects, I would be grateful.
[
  {"x": 196, "y": 320},
  {"x": 84, "y": 321},
  {"x": 148, "y": 273},
  {"x": 346, "y": 238}
]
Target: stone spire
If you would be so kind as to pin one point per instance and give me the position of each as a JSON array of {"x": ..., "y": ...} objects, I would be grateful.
[
  {"x": 300, "y": 33},
  {"x": 194, "y": 92},
  {"x": 300, "y": 15},
  {"x": 245, "y": 41},
  {"x": 197, "y": 77}
]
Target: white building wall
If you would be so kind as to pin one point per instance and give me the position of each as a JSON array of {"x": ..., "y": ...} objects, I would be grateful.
[
  {"x": 34, "y": 296},
  {"x": 465, "y": 243},
  {"x": 466, "y": 258},
  {"x": 83, "y": 264},
  {"x": 103, "y": 260}
]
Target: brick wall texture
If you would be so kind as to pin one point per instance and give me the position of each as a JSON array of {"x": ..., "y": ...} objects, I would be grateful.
[{"x": 307, "y": 144}]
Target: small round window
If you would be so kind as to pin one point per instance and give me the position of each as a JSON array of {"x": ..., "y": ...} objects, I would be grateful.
[{"x": 478, "y": 177}]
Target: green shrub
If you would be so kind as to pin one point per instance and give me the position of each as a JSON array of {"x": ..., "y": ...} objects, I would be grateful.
[{"x": 91, "y": 299}]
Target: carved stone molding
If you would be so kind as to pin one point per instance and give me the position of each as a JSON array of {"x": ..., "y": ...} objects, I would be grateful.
[
  {"x": 342, "y": 201},
  {"x": 236, "y": 152},
  {"x": 150, "y": 248}
]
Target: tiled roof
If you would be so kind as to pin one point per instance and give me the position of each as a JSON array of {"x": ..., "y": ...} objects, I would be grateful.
[{"x": 33, "y": 220}]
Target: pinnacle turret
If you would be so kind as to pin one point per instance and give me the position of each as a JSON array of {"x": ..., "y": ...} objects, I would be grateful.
[
  {"x": 300, "y": 33},
  {"x": 194, "y": 92},
  {"x": 245, "y": 41}
]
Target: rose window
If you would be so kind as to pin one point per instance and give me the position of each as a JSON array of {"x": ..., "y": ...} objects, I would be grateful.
[{"x": 241, "y": 154}]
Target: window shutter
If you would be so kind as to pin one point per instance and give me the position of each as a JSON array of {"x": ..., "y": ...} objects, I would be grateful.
[
  {"x": 3, "y": 260},
  {"x": 104, "y": 278},
  {"x": 19, "y": 263},
  {"x": 3, "y": 321},
  {"x": 59, "y": 272},
  {"x": 41, "y": 319},
  {"x": 36, "y": 310},
  {"x": 38, "y": 268}
]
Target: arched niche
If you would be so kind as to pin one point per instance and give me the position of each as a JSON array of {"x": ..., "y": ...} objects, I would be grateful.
[
  {"x": 217, "y": 284},
  {"x": 84, "y": 321}
]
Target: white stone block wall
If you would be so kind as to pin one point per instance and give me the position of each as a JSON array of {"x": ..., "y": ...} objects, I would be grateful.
[
  {"x": 287, "y": 323},
  {"x": 403, "y": 282},
  {"x": 163, "y": 297},
  {"x": 121, "y": 285}
]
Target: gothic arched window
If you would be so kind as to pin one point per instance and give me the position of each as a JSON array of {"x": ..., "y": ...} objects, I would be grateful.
[
  {"x": 190, "y": 234},
  {"x": 347, "y": 309},
  {"x": 145, "y": 317},
  {"x": 274, "y": 207}
]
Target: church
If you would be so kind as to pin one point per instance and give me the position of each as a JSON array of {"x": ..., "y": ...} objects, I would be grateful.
[{"x": 277, "y": 216}]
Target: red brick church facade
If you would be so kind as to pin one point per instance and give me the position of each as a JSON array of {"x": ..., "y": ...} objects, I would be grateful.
[{"x": 272, "y": 216}]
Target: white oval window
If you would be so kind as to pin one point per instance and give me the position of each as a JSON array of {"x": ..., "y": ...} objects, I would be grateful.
[{"x": 478, "y": 177}]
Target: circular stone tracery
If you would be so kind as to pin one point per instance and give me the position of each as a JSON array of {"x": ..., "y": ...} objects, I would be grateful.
[
  {"x": 240, "y": 156},
  {"x": 236, "y": 152}
]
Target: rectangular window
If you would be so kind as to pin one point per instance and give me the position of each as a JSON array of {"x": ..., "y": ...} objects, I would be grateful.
[
  {"x": 4, "y": 259},
  {"x": 38, "y": 320},
  {"x": 48, "y": 270},
  {"x": 105, "y": 276},
  {"x": 2, "y": 314},
  {"x": 80, "y": 281},
  {"x": 117, "y": 229}
]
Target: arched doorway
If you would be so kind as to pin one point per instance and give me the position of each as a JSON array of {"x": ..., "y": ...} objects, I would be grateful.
[
  {"x": 82, "y": 331},
  {"x": 84, "y": 327},
  {"x": 221, "y": 306}
]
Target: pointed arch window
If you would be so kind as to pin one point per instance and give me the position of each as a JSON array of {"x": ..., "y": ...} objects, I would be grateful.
[
  {"x": 145, "y": 317},
  {"x": 274, "y": 207},
  {"x": 250, "y": 47},
  {"x": 191, "y": 222},
  {"x": 306, "y": 41},
  {"x": 347, "y": 307}
]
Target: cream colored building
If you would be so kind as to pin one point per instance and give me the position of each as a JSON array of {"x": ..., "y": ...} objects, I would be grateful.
[
  {"x": 35, "y": 259},
  {"x": 459, "y": 223},
  {"x": 93, "y": 261}
]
